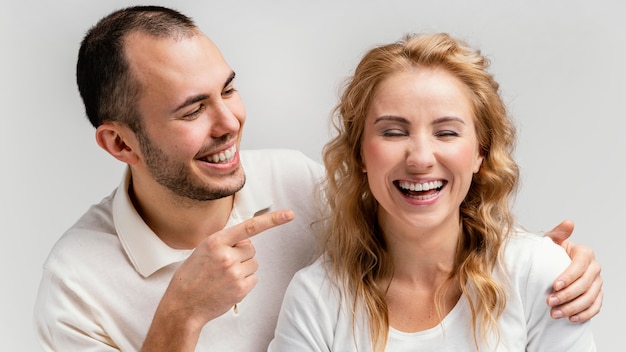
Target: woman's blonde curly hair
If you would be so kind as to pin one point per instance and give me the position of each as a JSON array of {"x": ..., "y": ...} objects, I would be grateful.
[{"x": 353, "y": 241}]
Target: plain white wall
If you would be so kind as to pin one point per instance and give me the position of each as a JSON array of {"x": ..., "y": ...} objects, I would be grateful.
[{"x": 560, "y": 65}]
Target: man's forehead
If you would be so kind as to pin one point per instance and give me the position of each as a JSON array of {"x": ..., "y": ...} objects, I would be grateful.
[
  {"x": 162, "y": 56},
  {"x": 172, "y": 71}
]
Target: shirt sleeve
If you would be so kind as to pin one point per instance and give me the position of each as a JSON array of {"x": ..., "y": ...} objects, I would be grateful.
[
  {"x": 545, "y": 261},
  {"x": 64, "y": 322}
]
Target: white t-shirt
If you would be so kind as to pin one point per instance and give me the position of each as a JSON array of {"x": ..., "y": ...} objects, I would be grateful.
[
  {"x": 316, "y": 314},
  {"x": 105, "y": 276}
]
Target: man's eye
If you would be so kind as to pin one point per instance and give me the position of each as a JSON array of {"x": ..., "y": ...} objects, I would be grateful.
[
  {"x": 229, "y": 91},
  {"x": 194, "y": 113}
]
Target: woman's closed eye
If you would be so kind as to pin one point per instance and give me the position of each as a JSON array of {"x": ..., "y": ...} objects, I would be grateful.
[
  {"x": 394, "y": 133},
  {"x": 447, "y": 133}
]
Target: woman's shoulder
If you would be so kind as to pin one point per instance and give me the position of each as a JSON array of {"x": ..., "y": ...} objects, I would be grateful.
[
  {"x": 531, "y": 255},
  {"x": 316, "y": 274}
]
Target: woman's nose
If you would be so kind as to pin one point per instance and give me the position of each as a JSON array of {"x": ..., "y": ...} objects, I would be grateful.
[{"x": 420, "y": 154}]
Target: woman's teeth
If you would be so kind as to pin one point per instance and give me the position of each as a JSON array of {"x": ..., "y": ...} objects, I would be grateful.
[{"x": 419, "y": 187}]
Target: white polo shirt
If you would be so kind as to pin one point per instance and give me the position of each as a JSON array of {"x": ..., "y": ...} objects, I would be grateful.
[{"x": 105, "y": 276}]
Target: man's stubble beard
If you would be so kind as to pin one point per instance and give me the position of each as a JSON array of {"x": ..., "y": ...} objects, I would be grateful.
[{"x": 178, "y": 178}]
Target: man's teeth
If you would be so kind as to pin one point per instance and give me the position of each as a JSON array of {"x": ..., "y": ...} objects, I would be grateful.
[
  {"x": 420, "y": 186},
  {"x": 224, "y": 156}
]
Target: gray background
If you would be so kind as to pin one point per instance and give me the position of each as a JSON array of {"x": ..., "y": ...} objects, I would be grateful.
[{"x": 560, "y": 65}]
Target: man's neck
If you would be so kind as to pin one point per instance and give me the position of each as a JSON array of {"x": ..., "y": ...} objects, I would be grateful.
[{"x": 181, "y": 224}]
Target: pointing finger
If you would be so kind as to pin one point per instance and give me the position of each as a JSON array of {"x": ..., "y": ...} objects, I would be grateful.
[{"x": 256, "y": 225}]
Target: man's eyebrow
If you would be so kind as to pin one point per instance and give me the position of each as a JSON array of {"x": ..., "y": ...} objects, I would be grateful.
[
  {"x": 230, "y": 79},
  {"x": 200, "y": 97}
]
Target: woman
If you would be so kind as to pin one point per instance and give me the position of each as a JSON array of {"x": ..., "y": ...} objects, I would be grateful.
[{"x": 420, "y": 242}]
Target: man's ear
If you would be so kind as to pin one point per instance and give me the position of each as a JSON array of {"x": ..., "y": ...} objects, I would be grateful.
[{"x": 119, "y": 141}]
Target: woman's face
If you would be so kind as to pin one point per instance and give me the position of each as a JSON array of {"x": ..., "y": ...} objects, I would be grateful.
[{"x": 419, "y": 149}]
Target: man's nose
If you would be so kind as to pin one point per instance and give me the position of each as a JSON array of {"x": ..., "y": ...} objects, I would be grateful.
[{"x": 223, "y": 121}]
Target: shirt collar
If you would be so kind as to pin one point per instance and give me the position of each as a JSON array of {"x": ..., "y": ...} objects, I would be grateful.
[{"x": 146, "y": 251}]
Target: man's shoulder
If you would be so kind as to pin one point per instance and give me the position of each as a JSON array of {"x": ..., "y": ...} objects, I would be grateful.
[
  {"x": 275, "y": 156},
  {"x": 91, "y": 233},
  {"x": 279, "y": 163}
]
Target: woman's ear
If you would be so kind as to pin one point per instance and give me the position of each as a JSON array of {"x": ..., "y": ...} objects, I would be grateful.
[
  {"x": 478, "y": 163},
  {"x": 119, "y": 141},
  {"x": 361, "y": 161}
]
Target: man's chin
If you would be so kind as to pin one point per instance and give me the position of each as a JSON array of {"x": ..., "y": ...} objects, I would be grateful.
[{"x": 226, "y": 191}]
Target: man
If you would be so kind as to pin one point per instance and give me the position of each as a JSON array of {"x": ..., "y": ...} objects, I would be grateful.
[{"x": 192, "y": 250}]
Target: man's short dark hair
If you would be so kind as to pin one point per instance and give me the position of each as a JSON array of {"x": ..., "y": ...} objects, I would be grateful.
[{"x": 103, "y": 75}]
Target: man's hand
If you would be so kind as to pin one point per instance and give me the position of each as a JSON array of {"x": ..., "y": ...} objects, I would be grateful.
[
  {"x": 578, "y": 290},
  {"x": 216, "y": 276}
]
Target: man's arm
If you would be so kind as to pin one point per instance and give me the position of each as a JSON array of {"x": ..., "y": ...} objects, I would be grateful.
[
  {"x": 578, "y": 290},
  {"x": 216, "y": 276}
]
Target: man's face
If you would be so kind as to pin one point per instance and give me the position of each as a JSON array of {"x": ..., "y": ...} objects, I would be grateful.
[{"x": 192, "y": 116}]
